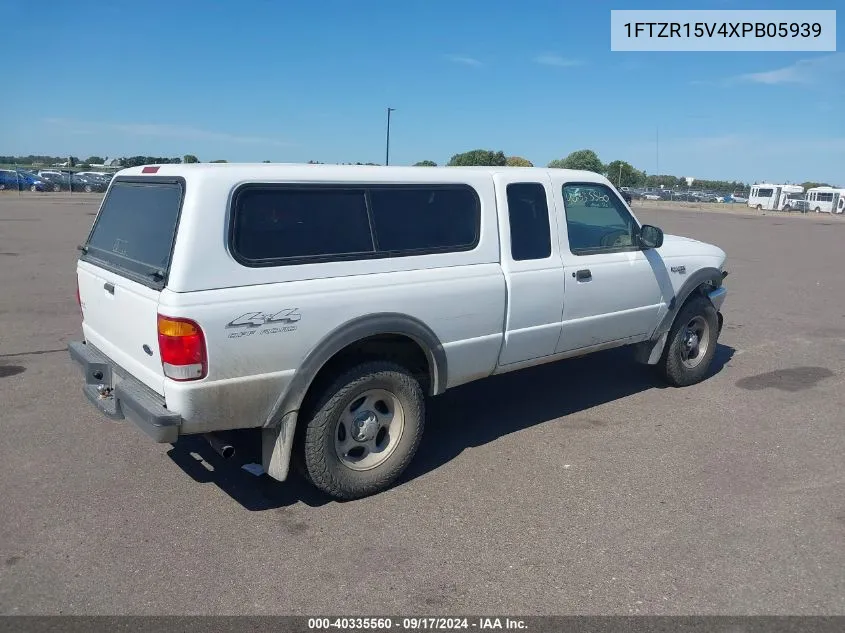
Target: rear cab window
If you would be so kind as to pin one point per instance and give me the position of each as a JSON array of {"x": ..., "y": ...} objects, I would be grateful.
[
  {"x": 528, "y": 214},
  {"x": 135, "y": 229}
]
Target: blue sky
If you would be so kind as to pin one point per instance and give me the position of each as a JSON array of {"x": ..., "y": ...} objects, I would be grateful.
[{"x": 298, "y": 80}]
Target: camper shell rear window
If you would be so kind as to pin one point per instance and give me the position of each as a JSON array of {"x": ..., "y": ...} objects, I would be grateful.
[{"x": 135, "y": 229}]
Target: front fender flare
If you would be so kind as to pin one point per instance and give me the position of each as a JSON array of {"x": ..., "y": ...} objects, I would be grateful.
[{"x": 650, "y": 351}]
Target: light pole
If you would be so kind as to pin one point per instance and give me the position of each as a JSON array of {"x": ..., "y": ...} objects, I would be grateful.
[
  {"x": 657, "y": 153},
  {"x": 387, "y": 148}
]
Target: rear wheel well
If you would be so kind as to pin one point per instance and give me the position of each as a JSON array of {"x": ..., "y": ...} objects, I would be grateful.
[{"x": 397, "y": 348}]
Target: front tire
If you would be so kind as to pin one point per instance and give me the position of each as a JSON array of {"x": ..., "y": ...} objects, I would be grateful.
[
  {"x": 363, "y": 431},
  {"x": 691, "y": 344}
]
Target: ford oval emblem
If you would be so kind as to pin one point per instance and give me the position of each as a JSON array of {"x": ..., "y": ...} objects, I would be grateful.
[{"x": 147, "y": 350}]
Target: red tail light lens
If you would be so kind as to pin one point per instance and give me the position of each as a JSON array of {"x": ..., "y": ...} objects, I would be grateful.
[{"x": 182, "y": 347}]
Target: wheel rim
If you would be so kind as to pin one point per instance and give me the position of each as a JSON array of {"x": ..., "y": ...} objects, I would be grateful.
[
  {"x": 695, "y": 340},
  {"x": 369, "y": 429}
]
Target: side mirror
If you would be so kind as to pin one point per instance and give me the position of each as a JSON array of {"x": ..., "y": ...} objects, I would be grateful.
[{"x": 650, "y": 237}]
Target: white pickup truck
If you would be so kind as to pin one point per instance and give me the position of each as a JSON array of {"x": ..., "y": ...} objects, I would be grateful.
[{"x": 323, "y": 304}]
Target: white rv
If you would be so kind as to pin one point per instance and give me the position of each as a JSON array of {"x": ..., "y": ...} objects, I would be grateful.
[
  {"x": 826, "y": 199},
  {"x": 768, "y": 197}
]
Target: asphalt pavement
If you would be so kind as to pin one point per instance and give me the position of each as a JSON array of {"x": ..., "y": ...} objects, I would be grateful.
[{"x": 584, "y": 487}]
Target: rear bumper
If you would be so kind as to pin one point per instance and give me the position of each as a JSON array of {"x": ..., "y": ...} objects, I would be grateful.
[{"x": 129, "y": 399}]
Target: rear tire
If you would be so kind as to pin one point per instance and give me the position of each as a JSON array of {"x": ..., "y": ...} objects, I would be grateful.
[
  {"x": 363, "y": 430},
  {"x": 691, "y": 344}
]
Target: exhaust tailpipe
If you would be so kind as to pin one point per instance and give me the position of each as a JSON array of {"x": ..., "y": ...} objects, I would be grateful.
[{"x": 222, "y": 448}]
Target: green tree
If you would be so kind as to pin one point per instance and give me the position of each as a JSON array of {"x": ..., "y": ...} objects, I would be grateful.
[
  {"x": 190, "y": 158},
  {"x": 425, "y": 163},
  {"x": 585, "y": 159},
  {"x": 72, "y": 161},
  {"x": 623, "y": 174},
  {"x": 94, "y": 160},
  {"x": 220, "y": 161},
  {"x": 519, "y": 161},
  {"x": 266, "y": 161},
  {"x": 811, "y": 185},
  {"x": 479, "y": 157}
]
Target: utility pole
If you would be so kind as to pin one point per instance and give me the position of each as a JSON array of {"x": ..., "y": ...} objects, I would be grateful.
[
  {"x": 387, "y": 148},
  {"x": 657, "y": 154}
]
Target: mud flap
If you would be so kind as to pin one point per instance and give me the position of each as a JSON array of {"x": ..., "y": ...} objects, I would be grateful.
[
  {"x": 649, "y": 352},
  {"x": 276, "y": 447}
]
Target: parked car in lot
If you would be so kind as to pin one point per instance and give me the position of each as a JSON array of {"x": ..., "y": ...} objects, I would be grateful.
[
  {"x": 55, "y": 181},
  {"x": 89, "y": 183},
  {"x": 75, "y": 182},
  {"x": 322, "y": 304},
  {"x": 9, "y": 179},
  {"x": 20, "y": 180},
  {"x": 796, "y": 204}
]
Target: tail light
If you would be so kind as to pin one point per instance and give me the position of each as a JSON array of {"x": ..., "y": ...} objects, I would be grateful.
[{"x": 182, "y": 347}]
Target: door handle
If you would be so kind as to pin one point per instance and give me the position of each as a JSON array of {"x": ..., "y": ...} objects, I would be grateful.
[
  {"x": 583, "y": 275},
  {"x": 109, "y": 287}
]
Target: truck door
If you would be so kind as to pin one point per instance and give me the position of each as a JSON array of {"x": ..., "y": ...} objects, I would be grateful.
[
  {"x": 613, "y": 289},
  {"x": 775, "y": 201},
  {"x": 532, "y": 265}
]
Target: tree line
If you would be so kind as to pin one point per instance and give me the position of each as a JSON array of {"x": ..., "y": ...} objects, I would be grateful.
[{"x": 619, "y": 172}]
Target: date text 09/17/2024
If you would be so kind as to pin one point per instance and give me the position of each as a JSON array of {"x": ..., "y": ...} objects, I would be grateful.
[{"x": 415, "y": 624}]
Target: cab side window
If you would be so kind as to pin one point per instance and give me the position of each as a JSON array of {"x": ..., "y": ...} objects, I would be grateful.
[
  {"x": 528, "y": 215},
  {"x": 597, "y": 220}
]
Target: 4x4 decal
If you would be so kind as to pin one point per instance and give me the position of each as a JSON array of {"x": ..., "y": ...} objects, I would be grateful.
[{"x": 251, "y": 321}]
